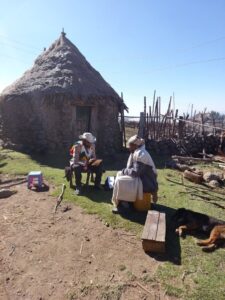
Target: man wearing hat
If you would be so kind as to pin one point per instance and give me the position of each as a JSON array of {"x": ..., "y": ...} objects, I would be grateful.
[{"x": 84, "y": 159}]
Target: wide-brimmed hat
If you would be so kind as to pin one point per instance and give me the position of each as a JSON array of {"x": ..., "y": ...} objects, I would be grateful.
[{"x": 88, "y": 137}]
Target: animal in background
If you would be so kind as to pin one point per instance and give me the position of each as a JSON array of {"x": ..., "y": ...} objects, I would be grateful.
[{"x": 186, "y": 220}]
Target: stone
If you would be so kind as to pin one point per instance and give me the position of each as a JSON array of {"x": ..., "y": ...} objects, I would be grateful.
[
  {"x": 213, "y": 176},
  {"x": 214, "y": 183}
]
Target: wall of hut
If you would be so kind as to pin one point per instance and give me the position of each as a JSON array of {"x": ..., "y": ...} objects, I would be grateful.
[{"x": 48, "y": 123}]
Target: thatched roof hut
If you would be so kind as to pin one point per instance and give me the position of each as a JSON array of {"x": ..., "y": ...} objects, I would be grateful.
[{"x": 61, "y": 96}]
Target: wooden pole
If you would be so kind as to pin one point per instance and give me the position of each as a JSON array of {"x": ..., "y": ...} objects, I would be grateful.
[
  {"x": 123, "y": 125},
  {"x": 145, "y": 114},
  {"x": 153, "y": 115},
  {"x": 141, "y": 125},
  {"x": 150, "y": 122}
]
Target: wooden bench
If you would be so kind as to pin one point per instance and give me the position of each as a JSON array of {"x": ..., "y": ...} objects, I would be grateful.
[{"x": 154, "y": 233}]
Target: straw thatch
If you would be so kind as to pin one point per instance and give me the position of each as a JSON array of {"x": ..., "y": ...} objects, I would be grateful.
[{"x": 39, "y": 110}]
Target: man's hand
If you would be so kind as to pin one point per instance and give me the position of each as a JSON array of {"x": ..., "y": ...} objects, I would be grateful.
[{"x": 91, "y": 161}]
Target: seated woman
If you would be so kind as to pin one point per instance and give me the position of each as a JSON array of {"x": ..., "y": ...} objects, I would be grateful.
[{"x": 140, "y": 175}]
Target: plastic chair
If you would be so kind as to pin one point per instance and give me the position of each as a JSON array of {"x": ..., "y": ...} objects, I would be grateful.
[{"x": 34, "y": 176}]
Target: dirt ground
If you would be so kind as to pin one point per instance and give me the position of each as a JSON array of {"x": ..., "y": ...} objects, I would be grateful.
[{"x": 74, "y": 256}]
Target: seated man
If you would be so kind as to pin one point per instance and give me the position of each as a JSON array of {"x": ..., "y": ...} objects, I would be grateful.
[
  {"x": 84, "y": 160},
  {"x": 139, "y": 176}
]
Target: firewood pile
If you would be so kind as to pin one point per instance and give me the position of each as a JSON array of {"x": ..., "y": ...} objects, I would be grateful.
[
  {"x": 213, "y": 179},
  {"x": 189, "y": 145}
]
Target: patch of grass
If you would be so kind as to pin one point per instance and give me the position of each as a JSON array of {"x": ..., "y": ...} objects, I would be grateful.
[
  {"x": 200, "y": 275},
  {"x": 131, "y": 276},
  {"x": 148, "y": 278},
  {"x": 112, "y": 292},
  {"x": 72, "y": 296},
  {"x": 122, "y": 267},
  {"x": 173, "y": 291},
  {"x": 84, "y": 291}
]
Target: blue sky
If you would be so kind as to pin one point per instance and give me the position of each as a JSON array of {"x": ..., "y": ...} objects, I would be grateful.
[{"x": 137, "y": 45}]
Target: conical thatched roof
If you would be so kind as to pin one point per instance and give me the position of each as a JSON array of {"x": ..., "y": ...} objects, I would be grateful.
[{"x": 62, "y": 69}]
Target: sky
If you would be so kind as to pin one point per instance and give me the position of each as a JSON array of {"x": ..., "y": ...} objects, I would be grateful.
[{"x": 171, "y": 46}]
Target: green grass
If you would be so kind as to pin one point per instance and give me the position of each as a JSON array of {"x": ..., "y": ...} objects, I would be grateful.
[{"x": 186, "y": 272}]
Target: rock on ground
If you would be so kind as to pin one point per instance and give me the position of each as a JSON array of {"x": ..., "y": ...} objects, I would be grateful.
[{"x": 209, "y": 176}]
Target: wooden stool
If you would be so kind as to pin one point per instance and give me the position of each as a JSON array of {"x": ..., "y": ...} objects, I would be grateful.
[
  {"x": 144, "y": 204},
  {"x": 154, "y": 233},
  {"x": 32, "y": 176}
]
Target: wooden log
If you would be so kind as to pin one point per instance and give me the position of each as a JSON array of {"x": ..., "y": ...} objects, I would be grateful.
[
  {"x": 193, "y": 177},
  {"x": 193, "y": 159}
]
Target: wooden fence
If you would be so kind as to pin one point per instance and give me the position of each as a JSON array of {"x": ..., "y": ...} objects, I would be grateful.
[{"x": 153, "y": 124}]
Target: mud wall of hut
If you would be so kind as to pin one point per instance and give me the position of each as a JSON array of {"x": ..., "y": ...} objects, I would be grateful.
[{"x": 48, "y": 123}]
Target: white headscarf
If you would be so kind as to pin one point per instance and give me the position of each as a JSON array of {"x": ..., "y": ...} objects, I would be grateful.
[
  {"x": 140, "y": 154},
  {"x": 136, "y": 140}
]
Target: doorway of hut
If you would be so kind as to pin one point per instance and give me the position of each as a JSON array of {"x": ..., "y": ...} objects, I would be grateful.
[{"x": 83, "y": 119}]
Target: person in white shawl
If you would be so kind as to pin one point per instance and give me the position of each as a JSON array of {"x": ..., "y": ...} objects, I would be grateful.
[{"x": 140, "y": 175}]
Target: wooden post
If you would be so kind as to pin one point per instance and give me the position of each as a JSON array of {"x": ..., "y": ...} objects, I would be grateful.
[
  {"x": 123, "y": 125},
  {"x": 203, "y": 131},
  {"x": 153, "y": 115},
  {"x": 174, "y": 122},
  {"x": 150, "y": 122},
  {"x": 158, "y": 118},
  {"x": 147, "y": 128},
  {"x": 145, "y": 113},
  {"x": 181, "y": 127},
  {"x": 141, "y": 130}
]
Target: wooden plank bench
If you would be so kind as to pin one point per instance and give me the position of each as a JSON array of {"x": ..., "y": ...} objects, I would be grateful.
[{"x": 154, "y": 233}]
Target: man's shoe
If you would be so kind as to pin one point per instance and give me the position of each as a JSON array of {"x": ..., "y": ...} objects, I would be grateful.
[
  {"x": 124, "y": 204},
  {"x": 78, "y": 191},
  {"x": 115, "y": 210},
  {"x": 98, "y": 187}
]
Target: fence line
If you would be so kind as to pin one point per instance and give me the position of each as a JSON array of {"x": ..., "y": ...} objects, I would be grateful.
[{"x": 178, "y": 119}]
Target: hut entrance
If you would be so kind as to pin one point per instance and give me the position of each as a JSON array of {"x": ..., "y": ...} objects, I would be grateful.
[{"x": 83, "y": 118}]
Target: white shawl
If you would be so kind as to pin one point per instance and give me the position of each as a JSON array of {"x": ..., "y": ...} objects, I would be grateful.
[{"x": 141, "y": 155}]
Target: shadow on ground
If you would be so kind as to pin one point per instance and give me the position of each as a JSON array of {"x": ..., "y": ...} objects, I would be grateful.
[
  {"x": 202, "y": 193},
  {"x": 113, "y": 162},
  {"x": 173, "y": 249}
]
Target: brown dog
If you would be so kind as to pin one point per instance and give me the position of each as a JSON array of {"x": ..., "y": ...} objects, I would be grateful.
[
  {"x": 188, "y": 220},
  {"x": 216, "y": 237}
]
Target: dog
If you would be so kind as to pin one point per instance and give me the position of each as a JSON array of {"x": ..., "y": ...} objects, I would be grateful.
[
  {"x": 216, "y": 239},
  {"x": 69, "y": 176},
  {"x": 187, "y": 220}
]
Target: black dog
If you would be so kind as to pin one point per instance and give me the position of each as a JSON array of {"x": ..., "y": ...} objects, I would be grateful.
[
  {"x": 69, "y": 171},
  {"x": 69, "y": 175},
  {"x": 188, "y": 220}
]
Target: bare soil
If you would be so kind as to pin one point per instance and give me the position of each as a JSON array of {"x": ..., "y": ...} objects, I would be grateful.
[{"x": 70, "y": 256}]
